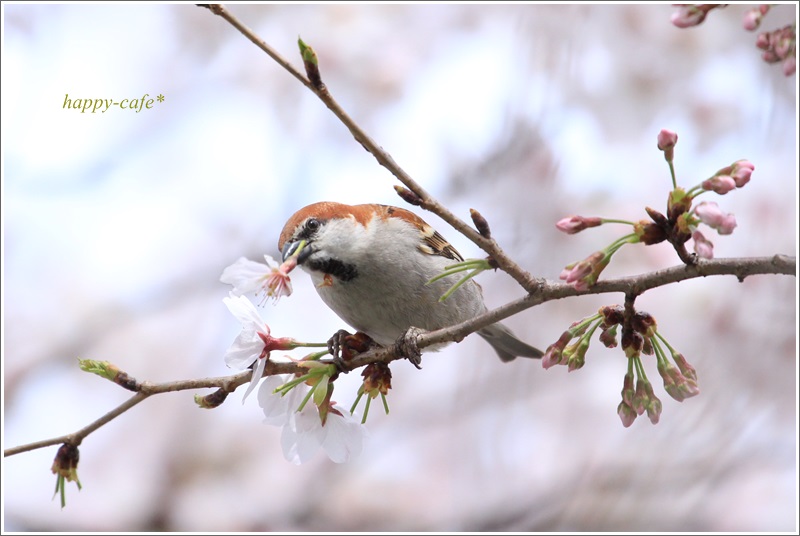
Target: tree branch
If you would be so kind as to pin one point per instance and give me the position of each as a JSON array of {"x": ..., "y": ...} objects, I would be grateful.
[{"x": 632, "y": 285}]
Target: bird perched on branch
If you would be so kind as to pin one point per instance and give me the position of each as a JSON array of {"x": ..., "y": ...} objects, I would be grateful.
[{"x": 372, "y": 264}]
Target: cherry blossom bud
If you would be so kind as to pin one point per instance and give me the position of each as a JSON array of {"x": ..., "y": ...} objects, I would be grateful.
[
  {"x": 710, "y": 214},
  {"x": 703, "y": 247},
  {"x": 763, "y": 41},
  {"x": 721, "y": 184},
  {"x": 686, "y": 369},
  {"x": 689, "y": 15},
  {"x": 769, "y": 56},
  {"x": 578, "y": 357},
  {"x": 789, "y": 66},
  {"x": 653, "y": 407},
  {"x": 782, "y": 46},
  {"x": 639, "y": 402},
  {"x": 609, "y": 337},
  {"x": 576, "y": 224},
  {"x": 583, "y": 268},
  {"x": 626, "y": 414},
  {"x": 552, "y": 356},
  {"x": 752, "y": 18},
  {"x": 741, "y": 172},
  {"x": 627, "y": 389},
  {"x": 667, "y": 139},
  {"x": 558, "y": 353},
  {"x": 666, "y": 142}
]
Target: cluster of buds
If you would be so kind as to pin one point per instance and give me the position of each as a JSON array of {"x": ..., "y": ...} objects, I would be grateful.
[
  {"x": 689, "y": 15},
  {"x": 678, "y": 226},
  {"x": 377, "y": 381},
  {"x": 642, "y": 337},
  {"x": 780, "y": 46},
  {"x": 680, "y": 382},
  {"x": 777, "y": 45}
]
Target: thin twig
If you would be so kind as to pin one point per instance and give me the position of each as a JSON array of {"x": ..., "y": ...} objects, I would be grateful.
[{"x": 489, "y": 245}]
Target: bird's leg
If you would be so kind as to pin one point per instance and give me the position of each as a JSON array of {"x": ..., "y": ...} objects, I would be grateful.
[{"x": 343, "y": 346}]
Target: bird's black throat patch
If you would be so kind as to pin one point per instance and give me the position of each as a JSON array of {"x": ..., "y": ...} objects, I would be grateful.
[{"x": 334, "y": 267}]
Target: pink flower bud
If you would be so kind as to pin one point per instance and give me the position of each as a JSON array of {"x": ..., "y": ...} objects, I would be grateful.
[
  {"x": 667, "y": 139},
  {"x": 742, "y": 169},
  {"x": 552, "y": 356},
  {"x": 688, "y": 16},
  {"x": 762, "y": 41},
  {"x": 727, "y": 225},
  {"x": 721, "y": 184},
  {"x": 584, "y": 267},
  {"x": 709, "y": 213},
  {"x": 752, "y": 19},
  {"x": 576, "y": 224},
  {"x": 626, "y": 414},
  {"x": 789, "y": 65},
  {"x": 769, "y": 56},
  {"x": 702, "y": 247},
  {"x": 782, "y": 47}
]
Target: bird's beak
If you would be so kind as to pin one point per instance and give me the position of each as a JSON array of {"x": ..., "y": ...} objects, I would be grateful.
[{"x": 300, "y": 249}]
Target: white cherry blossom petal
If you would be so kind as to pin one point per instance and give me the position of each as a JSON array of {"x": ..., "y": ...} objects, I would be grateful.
[
  {"x": 344, "y": 439},
  {"x": 258, "y": 371},
  {"x": 248, "y": 276},
  {"x": 302, "y": 435}
]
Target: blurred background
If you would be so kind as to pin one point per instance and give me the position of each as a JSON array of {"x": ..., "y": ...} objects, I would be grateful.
[{"x": 118, "y": 225}]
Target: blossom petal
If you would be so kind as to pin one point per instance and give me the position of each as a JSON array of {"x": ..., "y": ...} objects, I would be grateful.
[
  {"x": 345, "y": 437},
  {"x": 246, "y": 275},
  {"x": 258, "y": 371},
  {"x": 244, "y": 350},
  {"x": 245, "y": 312},
  {"x": 302, "y": 435},
  {"x": 278, "y": 409}
]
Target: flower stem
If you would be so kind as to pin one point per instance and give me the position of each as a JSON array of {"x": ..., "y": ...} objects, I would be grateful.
[{"x": 672, "y": 173}]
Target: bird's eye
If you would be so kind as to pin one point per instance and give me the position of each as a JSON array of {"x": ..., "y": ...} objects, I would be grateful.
[{"x": 312, "y": 225}]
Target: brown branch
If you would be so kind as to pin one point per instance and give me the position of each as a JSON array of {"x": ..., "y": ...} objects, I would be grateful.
[
  {"x": 416, "y": 339},
  {"x": 636, "y": 285},
  {"x": 489, "y": 245}
]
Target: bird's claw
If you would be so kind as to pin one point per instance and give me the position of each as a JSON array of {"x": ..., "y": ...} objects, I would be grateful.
[
  {"x": 407, "y": 346},
  {"x": 343, "y": 346}
]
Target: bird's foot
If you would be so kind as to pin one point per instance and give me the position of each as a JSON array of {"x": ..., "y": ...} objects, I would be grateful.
[
  {"x": 344, "y": 346},
  {"x": 407, "y": 346}
]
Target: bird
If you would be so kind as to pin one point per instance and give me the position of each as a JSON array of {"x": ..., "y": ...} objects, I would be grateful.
[{"x": 372, "y": 263}]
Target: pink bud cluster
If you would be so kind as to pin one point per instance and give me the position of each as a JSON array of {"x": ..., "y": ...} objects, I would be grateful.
[
  {"x": 640, "y": 336},
  {"x": 692, "y": 14},
  {"x": 780, "y": 46}
]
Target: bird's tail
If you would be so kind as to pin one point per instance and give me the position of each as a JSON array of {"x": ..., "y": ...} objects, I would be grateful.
[{"x": 506, "y": 344}]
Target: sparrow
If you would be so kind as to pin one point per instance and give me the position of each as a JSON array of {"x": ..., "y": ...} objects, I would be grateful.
[{"x": 371, "y": 264}]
